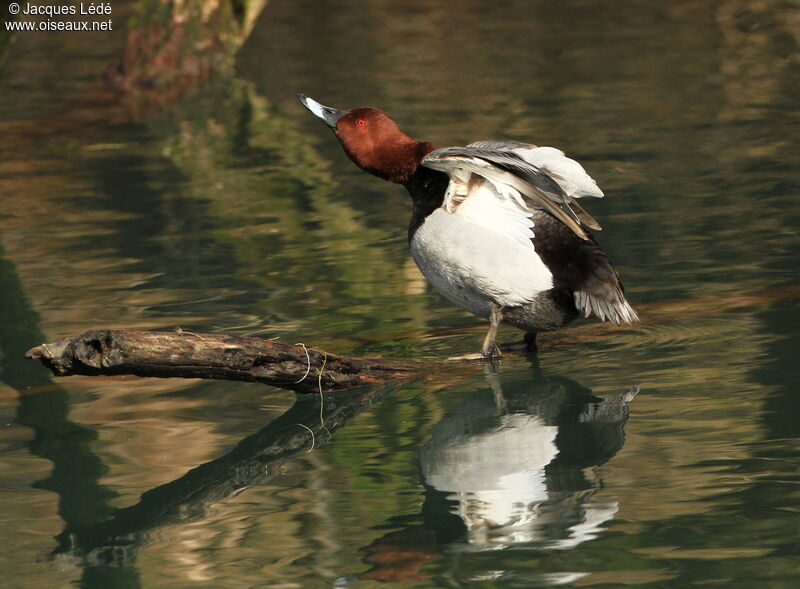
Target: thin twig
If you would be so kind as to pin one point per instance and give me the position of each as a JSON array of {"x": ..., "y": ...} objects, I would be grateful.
[
  {"x": 181, "y": 331},
  {"x": 313, "y": 439},
  {"x": 322, "y": 395},
  {"x": 308, "y": 357}
]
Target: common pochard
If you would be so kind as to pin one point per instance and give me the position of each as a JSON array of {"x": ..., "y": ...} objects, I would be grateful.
[{"x": 495, "y": 226}]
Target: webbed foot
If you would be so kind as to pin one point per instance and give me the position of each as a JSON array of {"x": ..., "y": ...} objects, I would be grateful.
[{"x": 475, "y": 356}]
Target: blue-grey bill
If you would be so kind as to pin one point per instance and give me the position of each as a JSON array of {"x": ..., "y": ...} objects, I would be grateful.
[{"x": 330, "y": 116}]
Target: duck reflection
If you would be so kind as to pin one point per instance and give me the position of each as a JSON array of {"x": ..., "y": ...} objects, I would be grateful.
[{"x": 513, "y": 464}]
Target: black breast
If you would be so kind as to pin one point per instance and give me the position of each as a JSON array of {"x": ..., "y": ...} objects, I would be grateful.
[{"x": 426, "y": 188}]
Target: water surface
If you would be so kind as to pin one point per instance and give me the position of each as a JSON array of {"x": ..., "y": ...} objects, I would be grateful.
[{"x": 662, "y": 456}]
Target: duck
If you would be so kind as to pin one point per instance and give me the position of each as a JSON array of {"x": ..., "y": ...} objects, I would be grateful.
[{"x": 495, "y": 226}]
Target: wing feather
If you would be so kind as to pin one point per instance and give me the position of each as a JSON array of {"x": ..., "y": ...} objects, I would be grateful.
[
  {"x": 566, "y": 172},
  {"x": 504, "y": 168}
]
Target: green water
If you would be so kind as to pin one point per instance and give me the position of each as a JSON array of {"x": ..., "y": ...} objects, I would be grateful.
[{"x": 663, "y": 456}]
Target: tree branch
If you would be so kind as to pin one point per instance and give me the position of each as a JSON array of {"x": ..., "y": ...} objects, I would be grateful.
[{"x": 224, "y": 357}]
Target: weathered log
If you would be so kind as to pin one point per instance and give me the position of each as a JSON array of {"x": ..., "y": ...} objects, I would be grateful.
[
  {"x": 185, "y": 354},
  {"x": 308, "y": 370}
]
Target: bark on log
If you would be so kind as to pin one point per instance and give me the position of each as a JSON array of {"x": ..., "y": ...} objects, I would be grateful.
[{"x": 225, "y": 357}]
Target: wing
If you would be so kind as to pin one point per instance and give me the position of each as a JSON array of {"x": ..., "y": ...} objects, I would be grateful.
[
  {"x": 506, "y": 171},
  {"x": 567, "y": 173},
  {"x": 584, "y": 272},
  {"x": 544, "y": 176}
]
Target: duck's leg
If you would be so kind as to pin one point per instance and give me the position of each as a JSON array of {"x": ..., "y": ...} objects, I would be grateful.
[
  {"x": 490, "y": 349},
  {"x": 530, "y": 341},
  {"x": 528, "y": 344}
]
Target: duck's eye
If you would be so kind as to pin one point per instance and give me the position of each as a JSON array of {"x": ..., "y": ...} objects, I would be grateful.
[{"x": 361, "y": 123}]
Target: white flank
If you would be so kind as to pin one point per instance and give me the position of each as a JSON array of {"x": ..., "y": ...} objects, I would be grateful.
[{"x": 470, "y": 262}]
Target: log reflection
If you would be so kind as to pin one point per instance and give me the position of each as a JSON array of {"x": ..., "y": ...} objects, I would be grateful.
[{"x": 254, "y": 461}]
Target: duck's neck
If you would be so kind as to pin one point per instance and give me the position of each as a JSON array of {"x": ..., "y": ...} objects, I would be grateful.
[
  {"x": 396, "y": 160},
  {"x": 399, "y": 160},
  {"x": 426, "y": 188}
]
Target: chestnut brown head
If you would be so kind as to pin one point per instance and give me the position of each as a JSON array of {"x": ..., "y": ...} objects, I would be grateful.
[{"x": 372, "y": 140}]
